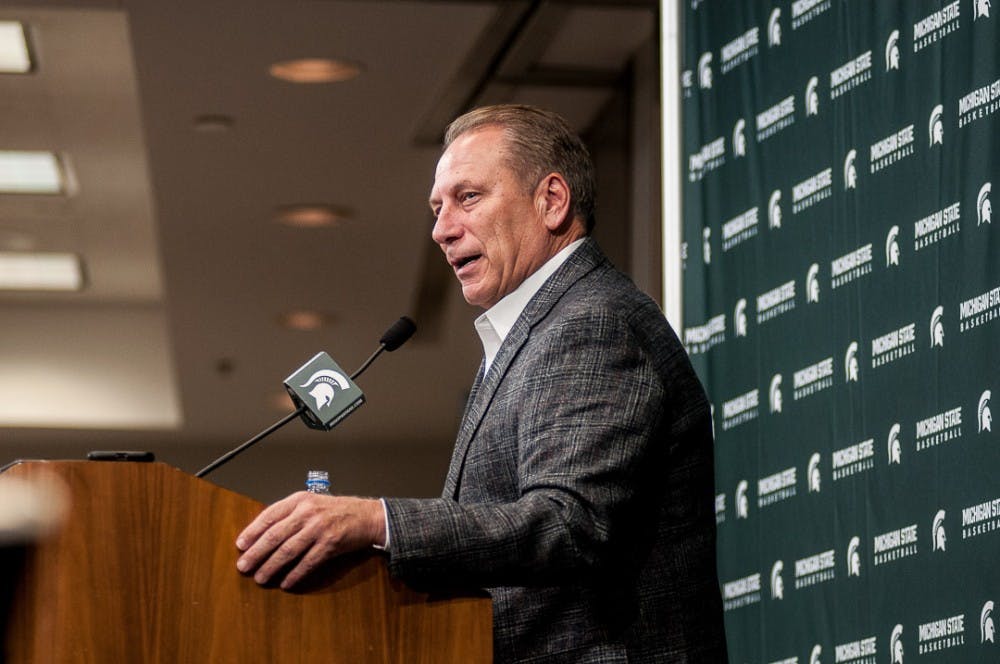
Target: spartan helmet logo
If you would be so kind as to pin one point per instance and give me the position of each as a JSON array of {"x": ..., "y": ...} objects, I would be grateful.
[
  {"x": 896, "y": 645},
  {"x": 937, "y": 531},
  {"x": 814, "y": 655},
  {"x": 323, "y": 391},
  {"x": 985, "y": 416},
  {"x": 986, "y": 628},
  {"x": 813, "y": 473},
  {"x": 775, "y": 394},
  {"x": 812, "y": 97},
  {"x": 851, "y": 362},
  {"x": 774, "y": 28},
  {"x": 777, "y": 583},
  {"x": 935, "y": 126},
  {"x": 706, "y": 245},
  {"x": 892, "y": 247},
  {"x": 774, "y": 209},
  {"x": 937, "y": 327},
  {"x": 742, "y": 504},
  {"x": 984, "y": 209},
  {"x": 739, "y": 139},
  {"x": 812, "y": 283},
  {"x": 850, "y": 173},
  {"x": 892, "y": 51},
  {"x": 895, "y": 449},
  {"x": 853, "y": 557},
  {"x": 705, "y": 71},
  {"x": 740, "y": 317},
  {"x": 982, "y": 8}
]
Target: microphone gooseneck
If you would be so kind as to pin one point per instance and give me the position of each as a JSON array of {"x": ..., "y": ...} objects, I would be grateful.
[{"x": 397, "y": 334}]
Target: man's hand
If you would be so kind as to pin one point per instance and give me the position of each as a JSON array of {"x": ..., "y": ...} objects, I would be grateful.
[{"x": 309, "y": 528}]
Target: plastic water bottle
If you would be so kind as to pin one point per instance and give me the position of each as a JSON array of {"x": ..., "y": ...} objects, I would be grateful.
[{"x": 318, "y": 481}]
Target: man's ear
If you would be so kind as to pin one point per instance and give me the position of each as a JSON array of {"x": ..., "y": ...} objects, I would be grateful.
[{"x": 554, "y": 202}]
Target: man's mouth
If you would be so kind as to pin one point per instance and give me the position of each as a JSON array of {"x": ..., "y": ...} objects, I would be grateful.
[{"x": 460, "y": 263}]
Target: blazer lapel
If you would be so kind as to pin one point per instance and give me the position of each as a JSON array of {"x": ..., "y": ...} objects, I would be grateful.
[{"x": 582, "y": 261}]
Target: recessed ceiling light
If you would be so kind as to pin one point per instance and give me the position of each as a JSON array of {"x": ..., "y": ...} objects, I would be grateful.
[
  {"x": 40, "y": 271},
  {"x": 30, "y": 172},
  {"x": 14, "y": 56},
  {"x": 315, "y": 70},
  {"x": 311, "y": 215},
  {"x": 280, "y": 401},
  {"x": 304, "y": 320}
]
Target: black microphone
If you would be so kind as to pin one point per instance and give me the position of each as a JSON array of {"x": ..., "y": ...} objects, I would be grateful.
[
  {"x": 398, "y": 334},
  {"x": 324, "y": 406}
]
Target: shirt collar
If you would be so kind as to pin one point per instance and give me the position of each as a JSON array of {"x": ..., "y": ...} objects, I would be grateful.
[{"x": 496, "y": 322}]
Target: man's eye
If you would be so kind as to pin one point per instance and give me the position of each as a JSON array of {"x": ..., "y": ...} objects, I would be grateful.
[{"x": 469, "y": 195}]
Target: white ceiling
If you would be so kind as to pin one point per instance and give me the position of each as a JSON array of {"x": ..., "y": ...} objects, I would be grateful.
[{"x": 175, "y": 340}]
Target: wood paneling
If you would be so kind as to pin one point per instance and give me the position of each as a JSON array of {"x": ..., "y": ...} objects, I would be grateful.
[{"x": 144, "y": 570}]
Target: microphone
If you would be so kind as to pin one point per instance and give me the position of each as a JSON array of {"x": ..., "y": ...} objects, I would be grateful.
[
  {"x": 322, "y": 394},
  {"x": 398, "y": 334}
]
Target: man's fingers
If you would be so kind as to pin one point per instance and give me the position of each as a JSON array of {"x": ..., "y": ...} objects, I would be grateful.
[
  {"x": 264, "y": 521},
  {"x": 314, "y": 557},
  {"x": 298, "y": 534},
  {"x": 281, "y": 557}
]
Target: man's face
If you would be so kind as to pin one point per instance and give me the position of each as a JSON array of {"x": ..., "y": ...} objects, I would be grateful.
[{"x": 489, "y": 227}]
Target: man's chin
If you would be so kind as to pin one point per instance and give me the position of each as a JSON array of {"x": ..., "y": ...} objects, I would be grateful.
[{"x": 475, "y": 297}]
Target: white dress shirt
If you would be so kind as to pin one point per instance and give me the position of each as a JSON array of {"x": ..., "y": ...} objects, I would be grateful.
[{"x": 496, "y": 322}]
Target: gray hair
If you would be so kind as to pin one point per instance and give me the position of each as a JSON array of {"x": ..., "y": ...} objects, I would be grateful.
[{"x": 538, "y": 142}]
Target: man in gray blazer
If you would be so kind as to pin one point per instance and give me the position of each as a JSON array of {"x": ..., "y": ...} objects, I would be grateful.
[{"x": 580, "y": 490}]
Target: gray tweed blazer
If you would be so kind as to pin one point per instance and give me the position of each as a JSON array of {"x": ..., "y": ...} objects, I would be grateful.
[{"x": 580, "y": 492}]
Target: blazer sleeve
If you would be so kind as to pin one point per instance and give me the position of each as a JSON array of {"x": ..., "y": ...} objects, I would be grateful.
[{"x": 578, "y": 411}]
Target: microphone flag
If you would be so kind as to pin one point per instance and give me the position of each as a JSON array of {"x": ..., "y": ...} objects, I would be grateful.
[{"x": 323, "y": 392}]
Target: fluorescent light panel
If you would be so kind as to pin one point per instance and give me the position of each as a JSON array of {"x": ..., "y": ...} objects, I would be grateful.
[
  {"x": 14, "y": 56},
  {"x": 30, "y": 172},
  {"x": 40, "y": 271}
]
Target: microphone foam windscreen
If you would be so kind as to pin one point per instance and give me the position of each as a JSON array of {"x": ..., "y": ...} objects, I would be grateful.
[{"x": 398, "y": 333}]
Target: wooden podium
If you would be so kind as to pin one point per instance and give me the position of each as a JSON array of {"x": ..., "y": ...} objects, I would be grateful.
[{"x": 144, "y": 570}]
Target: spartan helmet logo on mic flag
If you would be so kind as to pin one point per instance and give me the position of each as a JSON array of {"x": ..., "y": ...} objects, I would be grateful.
[
  {"x": 323, "y": 392},
  {"x": 322, "y": 383}
]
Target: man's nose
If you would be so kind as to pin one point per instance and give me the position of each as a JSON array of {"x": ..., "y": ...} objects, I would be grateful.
[{"x": 445, "y": 228}]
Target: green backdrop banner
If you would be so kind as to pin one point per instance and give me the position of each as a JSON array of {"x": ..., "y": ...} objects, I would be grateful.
[{"x": 842, "y": 306}]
